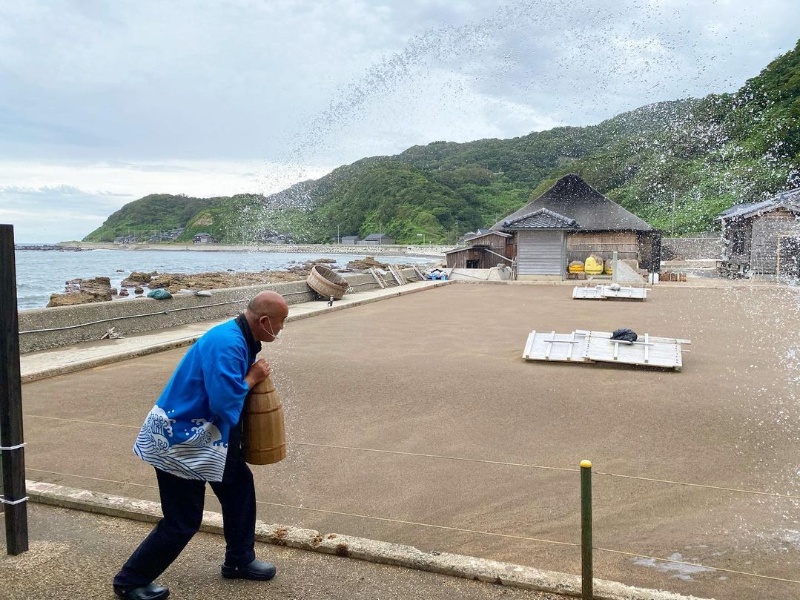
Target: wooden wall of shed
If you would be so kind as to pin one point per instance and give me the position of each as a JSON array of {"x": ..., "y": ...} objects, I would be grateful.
[
  {"x": 766, "y": 230},
  {"x": 496, "y": 243},
  {"x": 511, "y": 247},
  {"x": 581, "y": 244},
  {"x": 458, "y": 260}
]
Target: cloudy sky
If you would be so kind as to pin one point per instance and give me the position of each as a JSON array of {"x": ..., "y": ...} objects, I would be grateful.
[{"x": 105, "y": 101}]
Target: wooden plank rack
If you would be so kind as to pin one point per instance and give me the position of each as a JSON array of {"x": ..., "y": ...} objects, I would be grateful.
[
  {"x": 559, "y": 347},
  {"x": 609, "y": 292},
  {"x": 587, "y": 346},
  {"x": 398, "y": 275},
  {"x": 418, "y": 273},
  {"x": 378, "y": 278}
]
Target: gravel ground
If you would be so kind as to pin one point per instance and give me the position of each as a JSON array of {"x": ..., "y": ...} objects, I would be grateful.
[
  {"x": 73, "y": 555},
  {"x": 416, "y": 421}
]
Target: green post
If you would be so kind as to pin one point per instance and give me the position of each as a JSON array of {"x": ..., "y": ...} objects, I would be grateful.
[{"x": 586, "y": 530}]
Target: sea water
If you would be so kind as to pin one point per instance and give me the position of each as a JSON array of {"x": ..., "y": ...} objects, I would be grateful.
[{"x": 44, "y": 272}]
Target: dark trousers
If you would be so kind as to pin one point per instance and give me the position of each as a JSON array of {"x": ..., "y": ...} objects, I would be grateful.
[{"x": 182, "y": 505}]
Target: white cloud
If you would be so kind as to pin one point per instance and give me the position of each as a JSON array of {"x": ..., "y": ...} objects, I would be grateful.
[
  {"x": 50, "y": 202},
  {"x": 142, "y": 96}
]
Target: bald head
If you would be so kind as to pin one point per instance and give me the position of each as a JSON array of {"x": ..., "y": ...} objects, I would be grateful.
[
  {"x": 265, "y": 314},
  {"x": 268, "y": 303}
]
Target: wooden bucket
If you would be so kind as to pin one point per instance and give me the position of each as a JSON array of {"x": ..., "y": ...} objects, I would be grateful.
[
  {"x": 264, "y": 436},
  {"x": 327, "y": 283}
]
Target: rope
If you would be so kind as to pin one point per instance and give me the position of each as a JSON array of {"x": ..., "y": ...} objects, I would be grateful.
[
  {"x": 17, "y": 447},
  {"x": 437, "y": 456},
  {"x": 479, "y": 461},
  {"x": 689, "y": 564},
  {"x": 144, "y": 485},
  {"x": 701, "y": 485},
  {"x": 448, "y": 528},
  {"x": 120, "y": 318},
  {"x": 533, "y": 466},
  {"x": 415, "y": 523},
  {"x": 153, "y": 314},
  {"x": 3, "y": 500},
  {"x": 82, "y": 421}
]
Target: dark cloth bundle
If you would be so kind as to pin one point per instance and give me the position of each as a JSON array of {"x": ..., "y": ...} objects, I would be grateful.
[{"x": 626, "y": 335}]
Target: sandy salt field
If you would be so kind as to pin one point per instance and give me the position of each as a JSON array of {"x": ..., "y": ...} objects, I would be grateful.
[{"x": 415, "y": 420}]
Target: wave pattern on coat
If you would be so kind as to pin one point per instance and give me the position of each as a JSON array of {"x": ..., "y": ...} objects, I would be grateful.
[{"x": 201, "y": 456}]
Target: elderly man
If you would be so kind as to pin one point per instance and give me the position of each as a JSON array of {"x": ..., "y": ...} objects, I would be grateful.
[{"x": 193, "y": 436}]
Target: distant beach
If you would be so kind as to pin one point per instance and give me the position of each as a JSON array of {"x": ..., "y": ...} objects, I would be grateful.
[{"x": 368, "y": 250}]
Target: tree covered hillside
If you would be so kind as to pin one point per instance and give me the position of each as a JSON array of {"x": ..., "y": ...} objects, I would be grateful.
[
  {"x": 150, "y": 215},
  {"x": 674, "y": 164}
]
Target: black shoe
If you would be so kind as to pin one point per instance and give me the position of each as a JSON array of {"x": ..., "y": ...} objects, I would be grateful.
[
  {"x": 151, "y": 591},
  {"x": 258, "y": 570}
]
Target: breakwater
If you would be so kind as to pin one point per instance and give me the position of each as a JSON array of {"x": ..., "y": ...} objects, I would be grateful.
[
  {"x": 436, "y": 251},
  {"x": 43, "y": 329},
  {"x": 40, "y": 274}
]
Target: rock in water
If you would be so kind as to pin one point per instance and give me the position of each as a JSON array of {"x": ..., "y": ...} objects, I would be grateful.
[{"x": 97, "y": 289}]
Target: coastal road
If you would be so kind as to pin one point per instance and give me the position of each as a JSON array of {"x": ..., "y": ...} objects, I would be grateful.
[{"x": 416, "y": 421}]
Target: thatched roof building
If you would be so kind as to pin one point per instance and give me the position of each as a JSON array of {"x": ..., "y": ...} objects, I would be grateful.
[
  {"x": 575, "y": 200},
  {"x": 572, "y": 220}
]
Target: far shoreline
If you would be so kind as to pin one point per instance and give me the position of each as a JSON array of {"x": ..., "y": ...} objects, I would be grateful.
[{"x": 387, "y": 250}]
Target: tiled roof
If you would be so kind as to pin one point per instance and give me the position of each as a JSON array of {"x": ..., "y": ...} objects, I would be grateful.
[
  {"x": 790, "y": 200},
  {"x": 541, "y": 219}
]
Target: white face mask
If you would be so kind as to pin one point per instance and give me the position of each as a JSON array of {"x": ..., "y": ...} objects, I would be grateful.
[{"x": 271, "y": 331}]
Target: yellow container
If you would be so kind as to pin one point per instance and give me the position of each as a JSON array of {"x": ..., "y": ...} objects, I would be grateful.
[
  {"x": 575, "y": 266},
  {"x": 593, "y": 265}
]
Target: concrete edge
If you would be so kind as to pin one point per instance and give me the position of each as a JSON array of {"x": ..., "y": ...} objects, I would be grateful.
[
  {"x": 393, "y": 293},
  {"x": 455, "y": 565},
  {"x": 105, "y": 360},
  {"x": 191, "y": 339}
]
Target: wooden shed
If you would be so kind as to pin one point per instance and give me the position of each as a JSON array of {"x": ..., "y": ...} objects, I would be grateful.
[
  {"x": 762, "y": 238},
  {"x": 484, "y": 251},
  {"x": 375, "y": 239},
  {"x": 572, "y": 220}
]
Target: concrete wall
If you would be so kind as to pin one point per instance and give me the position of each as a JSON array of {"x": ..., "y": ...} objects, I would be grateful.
[
  {"x": 45, "y": 328},
  {"x": 691, "y": 248}
]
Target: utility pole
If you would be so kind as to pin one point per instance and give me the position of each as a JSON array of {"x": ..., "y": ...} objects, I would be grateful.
[
  {"x": 673, "y": 213},
  {"x": 12, "y": 466}
]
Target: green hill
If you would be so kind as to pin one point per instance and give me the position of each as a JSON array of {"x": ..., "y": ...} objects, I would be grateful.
[
  {"x": 151, "y": 215},
  {"x": 674, "y": 164}
]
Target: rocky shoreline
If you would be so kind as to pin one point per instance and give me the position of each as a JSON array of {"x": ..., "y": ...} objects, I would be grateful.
[
  {"x": 49, "y": 247},
  {"x": 393, "y": 250},
  {"x": 138, "y": 284}
]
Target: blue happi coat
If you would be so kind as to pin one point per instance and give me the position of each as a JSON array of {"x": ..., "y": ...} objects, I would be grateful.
[{"x": 187, "y": 431}]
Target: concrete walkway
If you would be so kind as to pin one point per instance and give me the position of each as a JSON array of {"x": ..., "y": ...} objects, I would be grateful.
[
  {"x": 74, "y": 554},
  {"x": 49, "y": 363}
]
